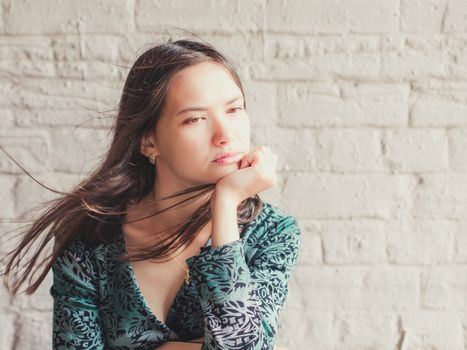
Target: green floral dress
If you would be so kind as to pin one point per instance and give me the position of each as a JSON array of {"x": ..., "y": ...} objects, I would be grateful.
[{"x": 233, "y": 299}]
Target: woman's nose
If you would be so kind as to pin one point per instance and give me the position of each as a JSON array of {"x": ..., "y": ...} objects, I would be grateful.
[{"x": 222, "y": 131}]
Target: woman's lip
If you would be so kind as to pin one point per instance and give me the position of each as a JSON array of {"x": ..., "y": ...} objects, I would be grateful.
[{"x": 230, "y": 159}]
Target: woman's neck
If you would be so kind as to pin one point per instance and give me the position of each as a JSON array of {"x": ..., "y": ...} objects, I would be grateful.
[{"x": 142, "y": 227}]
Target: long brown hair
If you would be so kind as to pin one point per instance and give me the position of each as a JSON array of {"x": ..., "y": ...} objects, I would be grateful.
[{"x": 95, "y": 208}]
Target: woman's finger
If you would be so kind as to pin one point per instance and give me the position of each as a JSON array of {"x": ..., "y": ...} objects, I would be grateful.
[
  {"x": 262, "y": 153},
  {"x": 244, "y": 162}
]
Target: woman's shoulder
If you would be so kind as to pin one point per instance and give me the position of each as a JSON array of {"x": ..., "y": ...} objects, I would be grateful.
[
  {"x": 80, "y": 247},
  {"x": 84, "y": 265},
  {"x": 88, "y": 255},
  {"x": 75, "y": 248}
]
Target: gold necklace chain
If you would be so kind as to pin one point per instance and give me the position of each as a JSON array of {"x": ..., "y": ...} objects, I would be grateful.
[{"x": 187, "y": 271}]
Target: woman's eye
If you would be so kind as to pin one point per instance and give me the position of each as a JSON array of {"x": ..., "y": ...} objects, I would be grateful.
[
  {"x": 192, "y": 120},
  {"x": 235, "y": 109}
]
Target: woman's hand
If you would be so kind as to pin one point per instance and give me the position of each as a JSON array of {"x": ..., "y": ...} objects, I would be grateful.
[
  {"x": 189, "y": 346},
  {"x": 257, "y": 173},
  {"x": 175, "y": 345}
]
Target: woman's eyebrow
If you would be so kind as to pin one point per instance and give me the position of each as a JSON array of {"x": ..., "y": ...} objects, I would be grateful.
[{"x": 196, "y": 108}]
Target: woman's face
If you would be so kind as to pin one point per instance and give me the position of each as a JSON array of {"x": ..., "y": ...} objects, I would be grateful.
[{"x": 204, "y": 117}]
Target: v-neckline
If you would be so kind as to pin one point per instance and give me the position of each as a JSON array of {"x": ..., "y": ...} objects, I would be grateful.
[{"x": 138, "y": 290}]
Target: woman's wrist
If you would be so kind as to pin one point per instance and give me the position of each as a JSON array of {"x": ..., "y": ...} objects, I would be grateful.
[
  {"x": 224, "y": 198},
  {"x": 224, "y": 219}
]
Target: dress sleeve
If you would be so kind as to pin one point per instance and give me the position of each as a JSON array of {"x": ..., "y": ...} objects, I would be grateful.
[
  {"x": 241, "y": 302},
  {"x": 75, "y": 311}
]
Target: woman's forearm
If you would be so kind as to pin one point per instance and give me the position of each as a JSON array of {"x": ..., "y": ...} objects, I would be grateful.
[
  {"x": 224, "y": 230},
  {"x": 224, "y": 219}
]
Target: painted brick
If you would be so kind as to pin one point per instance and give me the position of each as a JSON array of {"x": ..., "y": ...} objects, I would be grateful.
[
  {"x": 333, "y": 16},
  {"x": 440, "y": 196},
  {"x": 432, "y": 329},
  {"x": 458, "y": 149},
  {"x": 364, "y": 102},
  {"x": 342, "y": 105},
  {"x": 349, "y": 150},
  {"x": 354, "y": 242},
  {"x": 422, "y": 16},
  {"x": 218, "y": 16},
  {"x": 422, "y": 242},
  {"x": 416, "y": 150},
  {"x": 362, "y": 288},
  {"x": 345, "y": 196},
  {"x": 27, "y": 17}
]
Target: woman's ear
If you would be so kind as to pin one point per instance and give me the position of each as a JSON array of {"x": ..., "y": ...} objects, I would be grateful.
[{"x": 148, "y": 146}]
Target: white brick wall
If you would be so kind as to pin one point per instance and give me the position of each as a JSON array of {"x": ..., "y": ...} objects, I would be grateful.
[{"x": 365, "y": 101}]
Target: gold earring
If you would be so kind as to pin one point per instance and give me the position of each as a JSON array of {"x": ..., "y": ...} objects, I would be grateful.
[{"x": 152, "y": 158}]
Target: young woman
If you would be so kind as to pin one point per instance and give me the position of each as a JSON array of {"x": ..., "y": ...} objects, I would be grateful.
[{"x": 167, "y": 242}]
